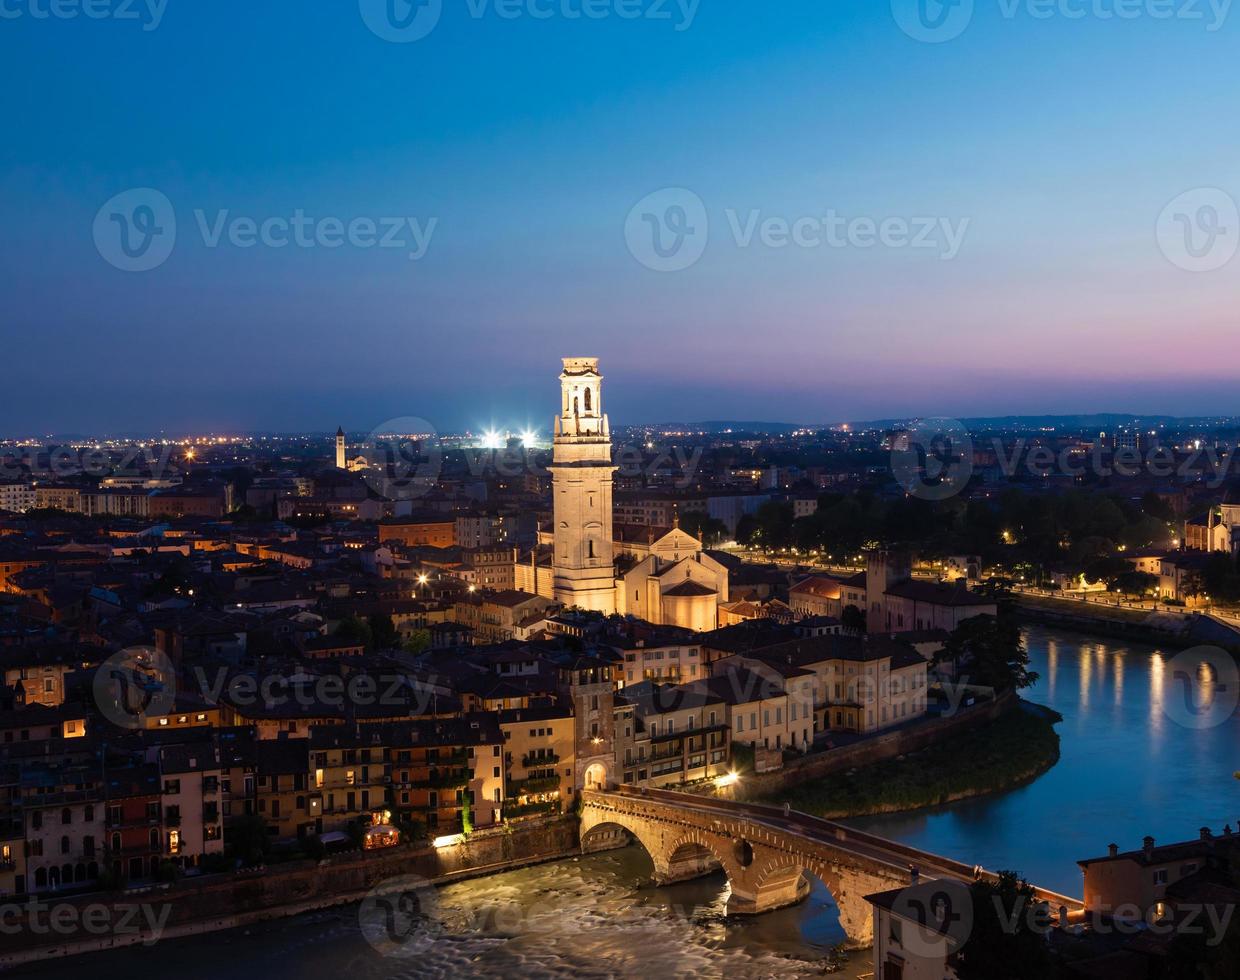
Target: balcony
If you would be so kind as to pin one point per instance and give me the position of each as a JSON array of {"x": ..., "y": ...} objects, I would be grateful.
[
  {"x": 533, "y": 760},
  {"x": 444, "y": 780},
  {"x": 9, "y": 865},
  {"x": 544, "y": 785}
]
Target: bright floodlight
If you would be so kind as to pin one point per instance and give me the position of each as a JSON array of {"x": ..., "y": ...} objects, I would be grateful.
[
  {"x": 492, "y": 440},
  {"x": 529, "y": 437}
]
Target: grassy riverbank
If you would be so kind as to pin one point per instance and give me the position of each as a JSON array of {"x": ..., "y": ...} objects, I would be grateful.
[{"x": 1011, "y": 750}]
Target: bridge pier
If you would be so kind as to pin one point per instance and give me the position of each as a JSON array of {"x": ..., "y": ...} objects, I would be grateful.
[
  {"x": 788, "y": 890},
  {"x": 769, "y": 858}
]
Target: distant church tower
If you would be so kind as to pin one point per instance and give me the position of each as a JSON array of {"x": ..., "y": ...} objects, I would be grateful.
[
  {"x": 341, "y": 462},
  {"x": 581, "y": 481}
]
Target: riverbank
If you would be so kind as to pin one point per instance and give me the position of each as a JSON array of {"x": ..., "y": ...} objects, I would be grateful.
[
  {"x": 214, "y": 903},
  {"x": 1011, "y": 750},
  {"x": 1162, "y": 628}
]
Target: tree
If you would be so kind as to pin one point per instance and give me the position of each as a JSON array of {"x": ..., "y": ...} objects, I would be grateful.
[
  {"x": 1006, "y": 940},
  {"x": 248, "y": 839},
  {"x": 383, "y": 635},
  {"x": 1220, "y": 578},
  {"x": 1135, "y": 583},
  {"x": 1107, "y": 570},
  {"x": 354, "y": 630},
  {"x": 417, "y": 641},
  {"x": 747, "y": 531},
  {"x": 712, "y": 530},
  {"x": 991, "y": 651},
  {"x": 773, "y": 525}
]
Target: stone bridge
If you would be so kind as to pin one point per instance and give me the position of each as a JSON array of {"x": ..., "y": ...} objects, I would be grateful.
[{"x": 765, "y": 853}]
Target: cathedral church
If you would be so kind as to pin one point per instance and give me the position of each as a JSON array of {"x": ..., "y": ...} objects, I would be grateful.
[{"x": 667, "y": 579}]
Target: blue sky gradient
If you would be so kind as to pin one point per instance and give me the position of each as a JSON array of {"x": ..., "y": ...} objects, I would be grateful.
[{"x": 528, "y": 141}]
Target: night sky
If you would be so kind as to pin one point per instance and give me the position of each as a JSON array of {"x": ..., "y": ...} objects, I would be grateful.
[{"x": 521, "y": 144}]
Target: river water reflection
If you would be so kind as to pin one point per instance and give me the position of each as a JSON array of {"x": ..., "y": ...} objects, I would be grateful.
[{"x": 1127, "y": 770}]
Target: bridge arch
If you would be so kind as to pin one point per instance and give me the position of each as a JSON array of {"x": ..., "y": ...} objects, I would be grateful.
[
  {"x": 677, "y": 854},
  {"x": 691, "y": 856},
  {"x": 766, "y": 853}
]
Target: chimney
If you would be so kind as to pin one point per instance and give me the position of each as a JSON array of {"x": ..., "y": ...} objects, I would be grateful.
[
  {"x": 1205, "y": 833},
  {"x": 1112, "y": 850},
  {"x": 1148, "y": 845},
  {"x": 914, "y": 874},
  {"x": 1063, "y": 917}
]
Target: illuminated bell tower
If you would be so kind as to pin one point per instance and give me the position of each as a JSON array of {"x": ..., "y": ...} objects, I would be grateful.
[
  {"x": 581, "y": 484},
  {"x": 341, "y": 463}
]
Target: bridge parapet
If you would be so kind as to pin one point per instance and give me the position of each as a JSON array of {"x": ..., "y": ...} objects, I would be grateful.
[{"x": 766, "y": 852}]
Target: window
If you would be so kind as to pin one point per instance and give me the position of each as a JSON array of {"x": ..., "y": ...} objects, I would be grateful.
[{"x": 1160, "y": 876}]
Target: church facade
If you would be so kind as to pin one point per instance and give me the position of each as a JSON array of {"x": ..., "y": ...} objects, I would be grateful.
[{"x": 666, "y": 579}]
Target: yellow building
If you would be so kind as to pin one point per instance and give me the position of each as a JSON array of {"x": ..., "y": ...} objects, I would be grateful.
[
  {"x": 539, "y": 759},
  {"x": 283, "y": 787},
  {"x": 667, "y": 735}
]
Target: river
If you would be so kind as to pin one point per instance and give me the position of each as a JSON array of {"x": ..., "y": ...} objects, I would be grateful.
[
  {"x": 1132, "y": 764},
  {"x": 1134, "y": 761}
]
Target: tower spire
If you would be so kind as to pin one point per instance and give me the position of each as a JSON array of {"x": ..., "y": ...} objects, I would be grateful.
[{"x": 581, "y": 472}]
